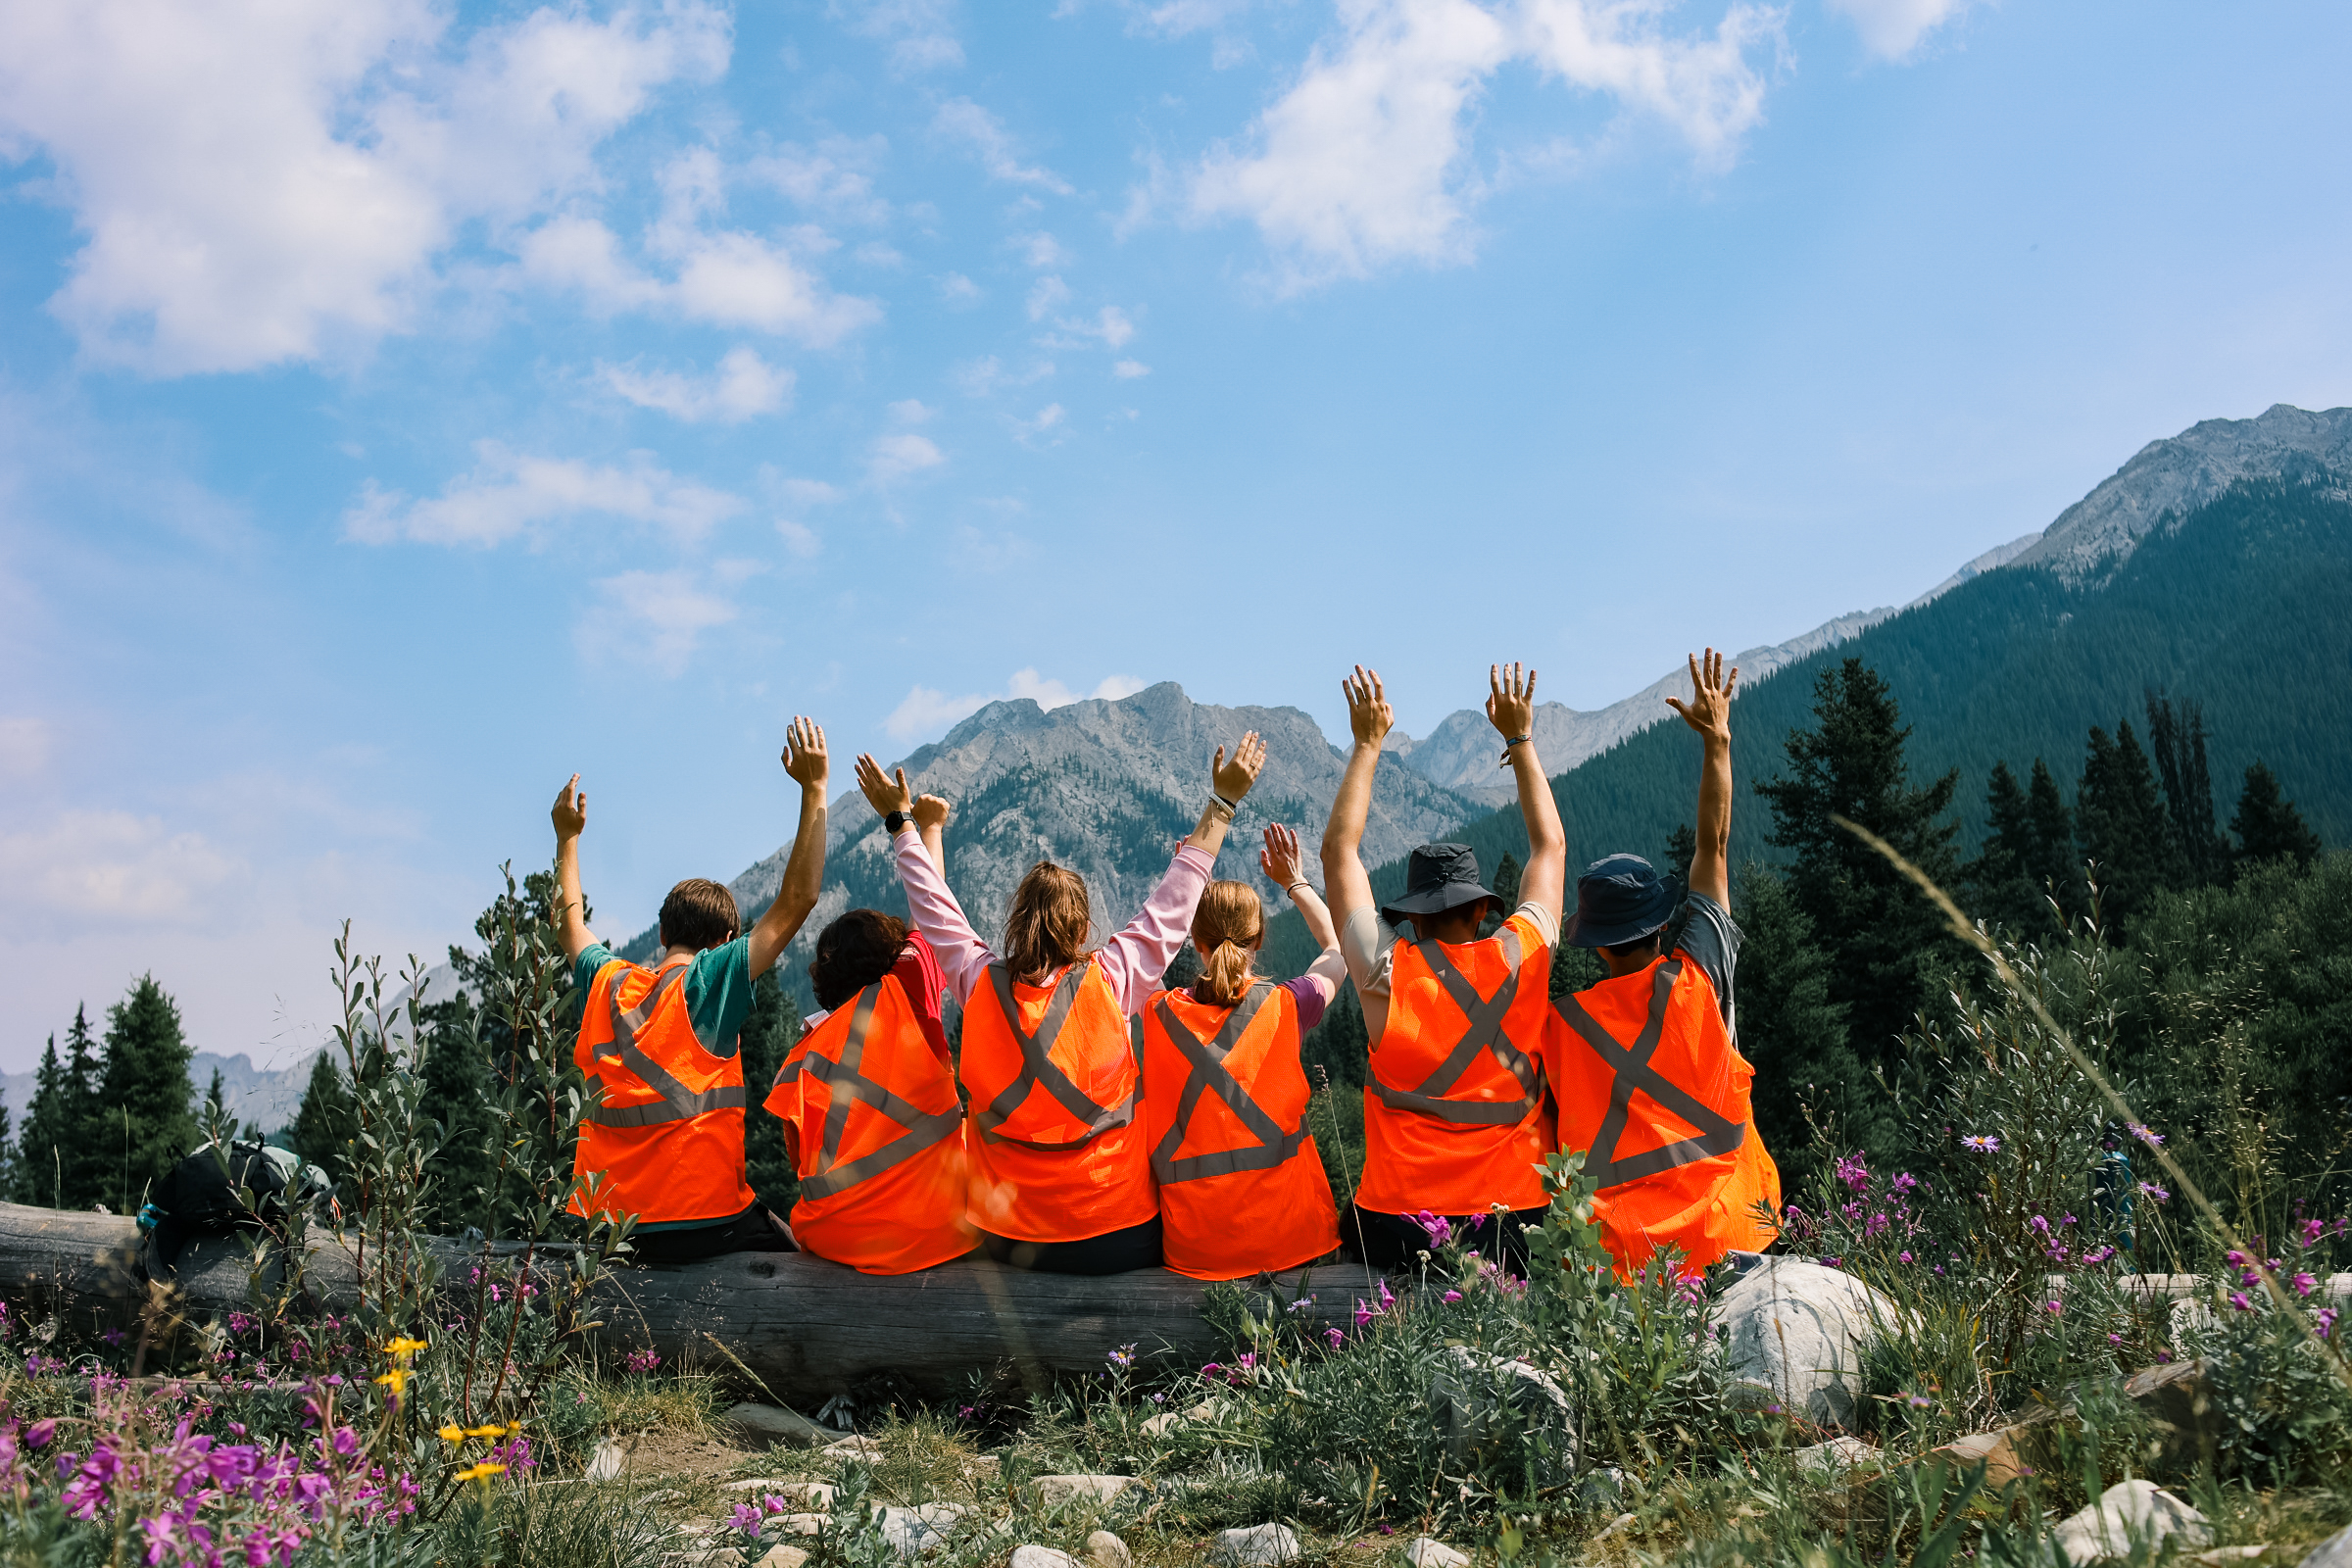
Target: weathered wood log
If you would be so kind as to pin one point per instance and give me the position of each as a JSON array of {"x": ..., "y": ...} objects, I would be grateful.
[{"x": 804, "y": 1328}]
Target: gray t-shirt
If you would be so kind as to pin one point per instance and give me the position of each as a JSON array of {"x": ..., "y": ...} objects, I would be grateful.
[{"x": 1711, "y": 939}]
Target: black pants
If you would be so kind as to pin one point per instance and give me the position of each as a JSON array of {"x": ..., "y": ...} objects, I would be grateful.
[
  {"x": 754, "y": 1230},
  {"x": 1391, "y": 1241},
  {"x": 1112, "y": 1253}
]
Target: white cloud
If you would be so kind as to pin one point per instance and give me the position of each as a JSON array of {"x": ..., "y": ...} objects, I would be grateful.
[
  {"x": 1043, "y": 250},
  {"x": 1130, "y": 370},
  {"x": 24, "y": 747},
  {"x": 729, "y": 280},
  {"x": 810, "y": 492},
  {"x": 799, "y": 538},
  {"x": 1893, "y": 28},
  {"x": 958, "y": 289},
  {"x": 509, "y": 493},
  {"x": 1045, "y": 423},
  {"x": 1114, "y": 327},
  {"x": 926, "y": 711},
  {"x": 1365, "y": 161},
  {"x": 270, "y": 181},
  {"x": 743, "y": 388},
  {"x": 920, "y": 33},
  {"x": 965, "y": 121},
  {"x": 113, "y": 866},
  {"x": 893, "y": 458},
  {"x": 1047, "y": 294},
  {"x": 912, "y": 411},
  {"x": 653, "y": 617},
  {"x": 834, "y": 178}
]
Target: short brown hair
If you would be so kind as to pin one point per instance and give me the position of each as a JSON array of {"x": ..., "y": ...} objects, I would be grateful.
[
  {"x": 1050, "y": 921},
  {"x": 699, "y": 913},
  {"x": 853, "y": 953},
  {"x": 1227, "y": 923}
]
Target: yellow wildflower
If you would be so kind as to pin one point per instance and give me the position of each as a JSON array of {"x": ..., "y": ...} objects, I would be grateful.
[
  {"x": 481, "y": 1472},
  {"x": 397, "y": 1380},
  {"x": 452, "y": 1433},
  {"x": 403, "y": 1345},
  {"x": 493, "y": 1429}
]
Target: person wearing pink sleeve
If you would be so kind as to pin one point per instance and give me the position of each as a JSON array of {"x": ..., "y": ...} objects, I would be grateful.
[{"x": 1061, "y": 1174}]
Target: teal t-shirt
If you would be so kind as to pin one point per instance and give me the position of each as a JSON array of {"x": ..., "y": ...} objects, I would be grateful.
[{"x": 718, "y": 998}]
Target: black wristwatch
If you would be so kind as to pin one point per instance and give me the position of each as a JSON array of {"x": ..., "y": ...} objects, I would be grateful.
[{"x": 895, "y": 820}]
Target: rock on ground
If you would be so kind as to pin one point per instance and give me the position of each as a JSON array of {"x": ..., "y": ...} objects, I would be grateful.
[
  {"x": 1107, "y": 1551},
  {"x": 2333, "y": 1552},
  {"x": 1839, "y": 1453},
  {"x": 1797, "y": 1333},
  {"x": 2130, "y": 1509},
  {"x": 2179, "y": 1400},
  {"x": 806, "y": 1524},
  {"x": 912, "y": 1531},
  {"x": 607, "y": 1462},
  {"x": 775, "y": 1424},
  {"x": 1474, "y": 1398},
  {"x": 1257, "y": 1547},
  {"x": 1055, "y": 1491},
  {"x": 782, "y": 1557},
  {"x": 1041, "y": 1557},
  {"x": 865, "y": 1449},
  {"x": 1430, "y": 1552}
]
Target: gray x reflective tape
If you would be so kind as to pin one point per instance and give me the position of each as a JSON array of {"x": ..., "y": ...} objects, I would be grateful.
[
  {"x": 678, "y": 1102},
  {"x": 844, "y": 1083},
  {"x": 1718, "y": 1133},
  {"x": 1483, "y": 1033},
  {"x": 1037, "y": 1067},
  {"x": 1209, "y": 1075}
]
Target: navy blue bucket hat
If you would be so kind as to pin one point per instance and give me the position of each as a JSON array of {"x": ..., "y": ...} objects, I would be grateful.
[
  {"x": 1439, "y": 877},
  {"x": 1619, "y": 900}
]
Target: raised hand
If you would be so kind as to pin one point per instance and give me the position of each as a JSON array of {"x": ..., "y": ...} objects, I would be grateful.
[
  {"x": 570, "y": 813},
  {"x": 1709, "y": 710},
  {"x": 884, "y": 794},
  {"x": 930, "y": 812},
  {"x": 1279, "y": 859},
  {"x": 804, "y": 757},
  {"x": 1510, "y": 700},
  {"x": 1233, "y": 779},
  {"x": 1369, "y": 717}
]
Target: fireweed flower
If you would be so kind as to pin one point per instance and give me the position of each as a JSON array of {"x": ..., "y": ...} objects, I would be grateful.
[
  {"x": 2325, "y": 1317},
  {"x": 1436, "y": 1227},
  {"x": 2304, "y": 1284},
  {"x": 1853, "y": 1173},
  {"x": 745, "y": 1518},
  {"x": 2237, "y": 1298},
  {"x": 1335, "y": 1336},
  {"x": 1982, "y": 1144},
  {"x": 2054, "y": 1308},
  {"x": 1450, "y": 1297}
]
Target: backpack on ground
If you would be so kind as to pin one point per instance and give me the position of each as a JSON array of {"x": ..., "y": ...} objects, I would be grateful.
[{"x": 205, "y": 1195}]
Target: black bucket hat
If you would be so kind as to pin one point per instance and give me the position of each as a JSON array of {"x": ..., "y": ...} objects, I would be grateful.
[
  {"x": 1619, "y": 900},
  {"x": 1439, "y": 877}
]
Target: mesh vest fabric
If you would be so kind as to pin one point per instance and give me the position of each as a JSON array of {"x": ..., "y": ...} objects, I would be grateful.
[{"x": 667, "y": 1133}]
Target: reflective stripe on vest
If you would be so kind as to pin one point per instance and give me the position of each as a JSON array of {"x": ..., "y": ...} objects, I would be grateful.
[
  {"x": 1717, "y": 1134},
  {"x": 1485, "y": 1033},
  {"x": 843, "y": 1084},
  {"x": 1206, "y": 1058},
  {"x": 678, "y": 1102},
  {"x": 1037, "y": 1067}
]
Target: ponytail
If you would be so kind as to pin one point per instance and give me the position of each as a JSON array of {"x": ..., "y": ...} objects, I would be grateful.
[{"x": 1228, "y": 926}]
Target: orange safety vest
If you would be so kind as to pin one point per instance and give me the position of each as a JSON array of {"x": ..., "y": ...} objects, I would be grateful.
[
  {"x": 1650, "y": 1084},
  {"x": 1456, "y": 1118},
  {"x": 877, "y": 1137},
  {"x": 1241, "y": 1186},
  {"x": 1054, "y": 1151},
  {"x": 669, "y": 1133}
]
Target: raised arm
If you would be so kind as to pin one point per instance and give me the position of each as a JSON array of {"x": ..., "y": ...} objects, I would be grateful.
[
  {"x": 1279, "y": 859},
  {"x": 570, "y": 816},
  {"x": 962, "y": 956},
  {"x": 931, "y": 823},
  {"x": 1709, "y": 711},
  {"x": 1228, "y": 782},
  {"x": 1369, "y": 718},
  {"x": 1511, "y": 710},
  {"x": 804, "y": 872}
]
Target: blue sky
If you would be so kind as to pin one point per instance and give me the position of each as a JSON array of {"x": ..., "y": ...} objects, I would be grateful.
[{"x": 403, "y": 405}]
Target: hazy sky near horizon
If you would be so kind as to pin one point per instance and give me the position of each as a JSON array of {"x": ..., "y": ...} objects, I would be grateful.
[{"x": 404, "y": 405}]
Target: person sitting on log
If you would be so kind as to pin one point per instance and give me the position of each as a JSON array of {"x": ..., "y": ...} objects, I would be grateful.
[
  {"x": 1646, "y": 1063},
  {"x": 867, "y": 1097},
  {"x": 1060, "y": 1167},
  {"x": 1242, "y": 1188},
  {"x": 1456, "y": 1121},
  {"x": 658, "y": 1045}
]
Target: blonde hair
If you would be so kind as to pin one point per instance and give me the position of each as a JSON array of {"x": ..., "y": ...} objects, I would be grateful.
[
  {"x": 1228, "y": 926},
  {"x": 1048, "y": 922}
]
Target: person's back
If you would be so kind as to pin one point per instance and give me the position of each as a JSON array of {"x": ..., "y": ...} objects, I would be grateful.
[
  {"x": 1645, "y": 1063},
  {"x": 868, "y": 1103},
  {"x": 1242, "y": 1188}
]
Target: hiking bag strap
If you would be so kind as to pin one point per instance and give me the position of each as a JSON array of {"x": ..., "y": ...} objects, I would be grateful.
[
  {"x": 1037, "y": 1067},
  {"x": 1209, "y": 1076},
  {"x": 1717, "y": 1133},
  {"x": 843, "y": 1084},
  {"x": 1485, "y": 1033},
  {"x": 678, "y": 1102}
]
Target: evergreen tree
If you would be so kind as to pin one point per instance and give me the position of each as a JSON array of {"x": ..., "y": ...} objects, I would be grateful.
[
  {"x": 40, "y": 1155},
  {"x": 2123, "y": 828},
  {"x": 2057, "y": 873},
  {"x": 88, "y": 1174},
  {"x": 8, "y": 1154},
  {"x": 2267, "y": 823},
  {"x": 1681, "y": 848},
  {"x": 1881, "y": 933},
  {"x": 1507, "y": 894},
  {"x": 2179, "y": 741},
  {"x": 216, "y": 1098},
  {"x": 146, "y": 1093},
  {"x": 328, "y": 1119},
  {"x": 770, "y": 1032},
  {"x": 2027, "y": 855},
  {"x": 1795, "y": 1035},
  {"x": 455, "y": 1093}
]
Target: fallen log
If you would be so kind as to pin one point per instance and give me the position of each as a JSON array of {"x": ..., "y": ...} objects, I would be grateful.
[{"x": 804, "y": 1328}]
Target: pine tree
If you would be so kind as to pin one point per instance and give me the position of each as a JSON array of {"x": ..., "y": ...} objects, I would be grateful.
[
  {"x": 2027, "y": 855},
  {"x": 453, "y": 1093},
  {"x": 2267, "y": 823},
  {"x": 770, "y": 1032},
  {"x": 216, "y": 1098},
  {"x": 2122, "y": 826},
  {"x": 2055, "y": 872},
  {"x": 328, "y": 1119},
  {"x": 146, "y": 1092},
  {"x": 40, "y": 1153},
  {"x": 1506, "y": 895},
  {"x": 88, "y": 1174},
  {"x": 1796, "y": 1036},
  {"x": 1881, "y": 935},
  {"x": 8, "y": 1154},
  {"x": 2179, "y": 741}
]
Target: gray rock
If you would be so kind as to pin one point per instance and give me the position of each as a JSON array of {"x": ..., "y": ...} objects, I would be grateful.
[
  {"x": 2333, "y": 1552},
  {"x": 2134, "y": 1508},
  {"x": 607, "y": 1462},
  {"x": 711, "y": 1557},
  {"x": 808, "y": 1493},
  {"x": 804, "y": 1524},
  {"x": 1055, "y": 1491},
  {"x": 1257, "y": 1547},
  {"x": 1041, "y": 1557},
  {"x": 914, "y": 1531},
  {"x": 1160, "y": 1426},
  {"x": 782, "y": 1557},
  {"x": 774, "y": 1483},
  {"x": 865, "y": 1449},
  {"x": 1430, "y": 1552},
  {"x": 1107, "y": 1551},
  {"x": 1476, "y": 1399},
  {"x": 1796, "y": 1335},
  {"x": 774, "y": 1424},
  {"x": 1836, "y": 1454}
]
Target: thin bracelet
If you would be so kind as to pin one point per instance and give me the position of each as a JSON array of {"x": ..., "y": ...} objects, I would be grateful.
[
  {"x": 1504, "y": 761},
  {"x": 1292, "y": 888},
  {"x": 1230, "y": 806}
]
